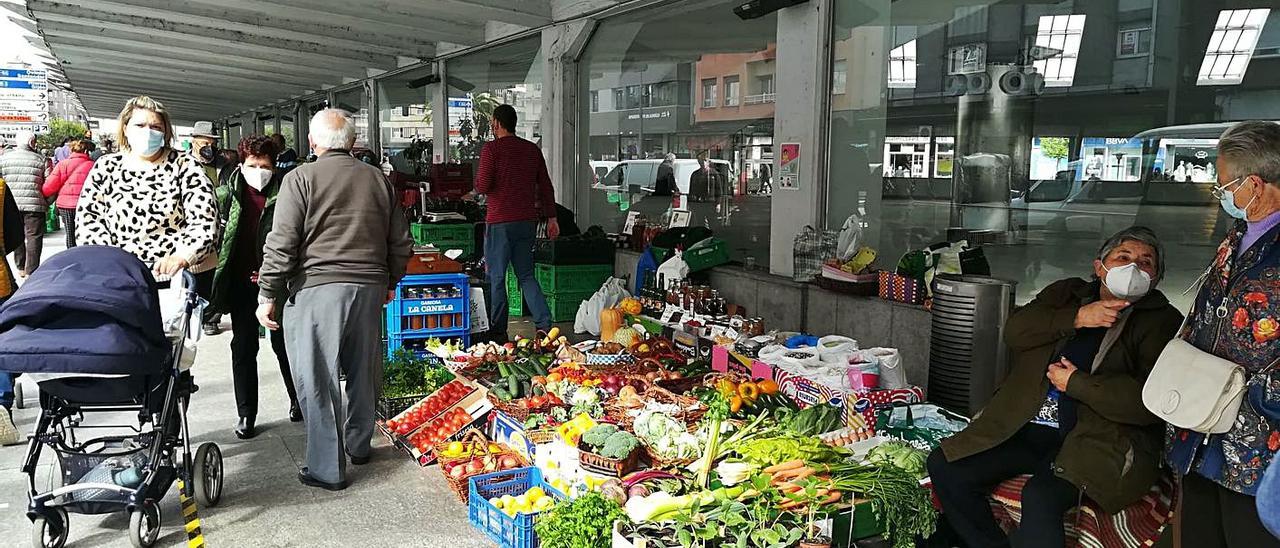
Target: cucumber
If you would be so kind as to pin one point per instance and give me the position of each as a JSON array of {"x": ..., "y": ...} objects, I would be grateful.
[
  {"x": 503, "y": 370},
  {"x": 541, "y": 366},
  {"x": 513, "y": 386},
  {"x": 501, "y": 393}
]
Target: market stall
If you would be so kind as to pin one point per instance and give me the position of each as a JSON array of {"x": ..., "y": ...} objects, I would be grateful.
[{"x": 679, "y": 424}]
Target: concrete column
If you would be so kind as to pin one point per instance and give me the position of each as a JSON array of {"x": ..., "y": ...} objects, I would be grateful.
[
  {"x": 440, "y": 117},
  {"x": 275, "y": 120},
  {"x": 800, "y": 117},
  {"x": 374, "y": 120},
  {"x": 301, "y": 122},
  {"x": 562, "y": 46}
]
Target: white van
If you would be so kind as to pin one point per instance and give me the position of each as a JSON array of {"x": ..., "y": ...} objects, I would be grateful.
[{"x": 630, "y": 174}]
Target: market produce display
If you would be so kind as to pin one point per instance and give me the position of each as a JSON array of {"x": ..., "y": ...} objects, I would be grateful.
[
  {"x": 632, "y": 440},
  {"x": 407, "y": 374}
]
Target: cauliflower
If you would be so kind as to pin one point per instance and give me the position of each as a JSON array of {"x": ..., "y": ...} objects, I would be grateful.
[
  {"x": 619, "y": 445},
  {"x": 597, "y": 436}
]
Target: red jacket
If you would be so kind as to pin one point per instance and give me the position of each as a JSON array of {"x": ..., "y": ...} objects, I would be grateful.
[
  {"x": 67, "y": 179},
  {"x": 513, "y": 177}
]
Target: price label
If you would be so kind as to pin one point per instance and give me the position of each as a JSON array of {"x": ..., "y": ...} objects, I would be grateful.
[{"x": 632, "y": 218}]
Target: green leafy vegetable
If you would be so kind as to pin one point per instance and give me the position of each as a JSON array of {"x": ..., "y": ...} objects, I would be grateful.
[
  {"x": 902, "y": 455},
  {"x": 585, "y": 522},
  {"x": 407, "y": 374},
  {"x": 815, "y": 419},
  {"x": 786, "y": 447},
  {"x": 619, "y": 445}
]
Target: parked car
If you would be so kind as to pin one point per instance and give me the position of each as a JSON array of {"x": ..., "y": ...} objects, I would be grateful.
[
  {"x": 642, "y": 175},
  {"x": 600, "y": 168}
]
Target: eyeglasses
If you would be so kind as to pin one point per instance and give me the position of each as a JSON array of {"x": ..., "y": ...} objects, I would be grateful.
[{"x": 1219, "y": 191}]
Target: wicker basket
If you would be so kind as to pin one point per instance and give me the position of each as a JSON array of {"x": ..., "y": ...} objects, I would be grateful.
[
  {"x": 540, "y": 436},
  {"x": 619, "y": 411},
  {"x": 656, "y": 460},
  {"x": 514, "y": 410},
  {"x": 474, "y": 437},
  {"x": 595, "y": 361},
  {"x": 617, "y": 468}
]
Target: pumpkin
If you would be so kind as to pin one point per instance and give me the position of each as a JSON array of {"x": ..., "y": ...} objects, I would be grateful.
[
  {"x": 610, "y": 321},
  {"x": 631, "y": 305},
  {"x": 626, "y": 336}
]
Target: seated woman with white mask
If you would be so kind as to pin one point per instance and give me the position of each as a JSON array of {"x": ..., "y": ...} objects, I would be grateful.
[{"x": 1070, "y": 412}]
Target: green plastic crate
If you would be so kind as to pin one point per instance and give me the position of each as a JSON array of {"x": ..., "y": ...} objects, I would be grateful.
[
  {"x": 424, "y": 234},
  {"x": 468, "y": 247},
  {"x": 564, "y": 306},
  {"x": 515, "y": 300},
  {"x": 571, "y": 279},
  {"x": 51, "y": 221},
  {"x": 715, "y": 253}
]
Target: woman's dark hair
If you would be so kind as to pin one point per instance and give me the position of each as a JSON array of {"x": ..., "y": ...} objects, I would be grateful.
[
  {"x": 230, "y": 156},
  {"x": 506, "y": 117},
  {"x": 257, "y": 145}
]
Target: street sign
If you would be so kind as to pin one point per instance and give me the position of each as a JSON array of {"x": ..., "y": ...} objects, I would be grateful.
[
  {"x": 9, "y": 117},
  {"x": 15, "y": 128},
  {"x": 23, "y": 73},
  {"x": 24, "y": 94},
  {"x": 17, "y": 105},
  {"x": 9, "y": 83}
]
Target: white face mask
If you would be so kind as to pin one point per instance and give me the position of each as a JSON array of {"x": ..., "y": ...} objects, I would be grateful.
[
  {"x": 1127, "y": 282},
  {"x": 144, "y": 141},
  {"x": 257, "y": 177}
]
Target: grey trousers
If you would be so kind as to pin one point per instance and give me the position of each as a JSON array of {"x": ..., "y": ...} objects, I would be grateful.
[{"x": 332, "y": 328}]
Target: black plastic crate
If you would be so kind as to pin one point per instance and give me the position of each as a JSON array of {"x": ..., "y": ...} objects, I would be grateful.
[{"x": 574, "y": 251}]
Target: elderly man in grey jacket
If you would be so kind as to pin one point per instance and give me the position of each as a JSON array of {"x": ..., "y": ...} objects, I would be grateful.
[
  {"x": 338, "y": 247},
  {"x": 23, "y": 171}
]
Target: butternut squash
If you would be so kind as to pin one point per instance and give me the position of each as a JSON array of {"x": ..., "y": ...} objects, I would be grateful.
[{"x": 610, "y": 321}]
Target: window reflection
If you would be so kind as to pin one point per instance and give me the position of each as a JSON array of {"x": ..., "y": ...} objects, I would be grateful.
[
  {"x": 1039, "y": 129},
  {"x": 666, "y": 84}
]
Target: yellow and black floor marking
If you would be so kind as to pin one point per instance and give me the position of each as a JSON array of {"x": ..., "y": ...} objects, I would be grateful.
[{"x": 190, "y": 519}]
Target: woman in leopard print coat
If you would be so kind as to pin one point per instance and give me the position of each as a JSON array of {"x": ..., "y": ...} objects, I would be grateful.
[{"x": 151, "y": 200}]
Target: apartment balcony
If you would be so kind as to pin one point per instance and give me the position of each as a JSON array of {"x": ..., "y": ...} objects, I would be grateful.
[{"x": 759, "y": 99}]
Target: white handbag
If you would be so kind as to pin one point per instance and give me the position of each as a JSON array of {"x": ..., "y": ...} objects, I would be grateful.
[{"x": 1193, "y": 389}]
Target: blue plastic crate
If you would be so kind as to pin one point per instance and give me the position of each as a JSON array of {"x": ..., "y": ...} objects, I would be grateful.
[
  {"x": 441, "y": 301},
  {"x": 508, "y": 532},
  {"x": 395, "y": 342}
]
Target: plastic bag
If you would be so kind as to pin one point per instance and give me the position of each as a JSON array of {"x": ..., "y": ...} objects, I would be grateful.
[
  {"x": 850, "y": 239},
  {"x": 608, "y": 296},
  {"x": 479, "y": 312},
  {"x": 173, "y": 306},
  {"x": 674, "y": 268},
  {"x": 892, "y": 375},
  {"x": 836, "y": 349}
]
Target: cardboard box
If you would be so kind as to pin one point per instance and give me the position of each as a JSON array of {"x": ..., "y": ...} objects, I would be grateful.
[
  {"x": 507, "y": 430},
  {"x": 476, "y": 403}
]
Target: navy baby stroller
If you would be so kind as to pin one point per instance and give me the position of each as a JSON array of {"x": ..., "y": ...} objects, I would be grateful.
[{"x": 87, "y": 327}]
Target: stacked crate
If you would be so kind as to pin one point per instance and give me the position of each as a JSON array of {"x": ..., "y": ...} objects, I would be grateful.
[
  {"x": 428, "y": 306},
  {"x": 565, "y": 287},
  {"x": 446, "y": 236}
]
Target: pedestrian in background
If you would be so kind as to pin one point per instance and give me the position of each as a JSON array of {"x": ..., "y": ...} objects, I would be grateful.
[
  {"x": 338, "y": 247},
  {"x": 247, "y": 203},
  {"x": 11, "y": 235},
  {"x": 23, "y": 169},
  {"x": 1235, "y": 318},
  {"x": 151, "y": 200},
  {"x": 62, "y": 152},
  {"x": 66, "y": 183},
  {"x": 513, "y": 177},
  {"x": 204, "y": 151}
]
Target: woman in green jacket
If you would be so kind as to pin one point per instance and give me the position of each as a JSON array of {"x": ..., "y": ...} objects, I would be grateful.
[
  {"x": 1070, "y": 412},
  {"x": 247, "y": 203}
]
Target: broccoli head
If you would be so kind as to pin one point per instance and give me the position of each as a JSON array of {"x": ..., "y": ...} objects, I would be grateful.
[
  {"x": 596, "y": 436},
  {"x": 619, "y": 445}
]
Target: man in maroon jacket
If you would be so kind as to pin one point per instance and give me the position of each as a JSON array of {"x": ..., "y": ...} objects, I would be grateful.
[{"x": 513, "y": 177}]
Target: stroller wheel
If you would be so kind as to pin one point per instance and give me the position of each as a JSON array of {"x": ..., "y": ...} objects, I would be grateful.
[
  {"x": 50, "y": 531},
  {"x": 206, "y": 475},
  {"x": 144, "y": 525},
  {"x": 18, "y": 396}
]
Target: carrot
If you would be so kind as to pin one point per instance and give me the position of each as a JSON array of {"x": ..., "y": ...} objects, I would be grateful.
[
  {"x": 784, "y": 466},
  {"x": 788, "y": 487},
  {"x": 833, "y": 498},
  {"x": 802, "y": 474}
]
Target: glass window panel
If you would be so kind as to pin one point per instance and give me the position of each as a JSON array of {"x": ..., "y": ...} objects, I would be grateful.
[
  {"x": 1077, "y": 23},
  {"x": 1238, "y": 17},
  {"x": 1042, "y": 210},
  {"x": 1257, "y": 17},
  {"x": 677, "y": 47},
  {"x": 1224, "y": 18},
  {"x": 507, "y": 74},
  {"x": 1215, "y": 41},
  {"x": 1248, "y": 39},
  {"x": 1072, "y": 45},
  {"x": 355, "y": 102},
  {"x": 1058, "y": 42},
  {"x": 1229, "y": 40},
  {"x": 910, "y": 49},
  {"x": 406, "y": 120},
  {"x": 1238, "y": 65}
]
